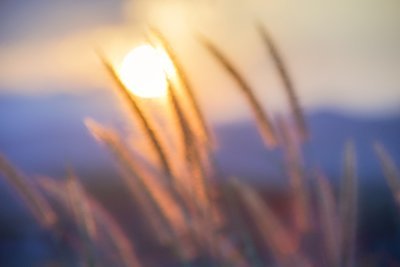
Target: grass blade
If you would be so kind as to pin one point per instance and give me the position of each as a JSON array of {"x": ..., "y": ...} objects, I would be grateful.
[
  {"x": 187, "y": 87},
  {"x": 264, "y": 124},
  {"x": 230, "y": 254},
  {"x": 301, "y": 207},
  {"x": 79, "y": 205},
  {"x": 104, "y": 222},
  {"x": 160, "y": 210},
  {"x": 284, "y": 246},
  {"x": 348, "y": 207},
  {"x": 390, "y": 170},
  {"x": 167, "y": 218},
  {"x": 32, "y": 197},
  {"x": 295, "y": 169},
  {"x": 144, "y": 121},
  {"x": 207, "y": 215},
  {"x": 191, "y": 153},
  {"x": 119, "y": 241},
  {"x": 241, "y": 232},
  {"x": 83, "y": 215},
  {"x": 286, "y": 80},
  {"x": 329, "y": 221}
]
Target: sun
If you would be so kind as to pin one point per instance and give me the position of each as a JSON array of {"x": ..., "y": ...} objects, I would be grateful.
[{"x": 143, "y": 71}]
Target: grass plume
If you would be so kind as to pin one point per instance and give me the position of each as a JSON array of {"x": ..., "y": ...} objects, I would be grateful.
[
  {"x": 186, "y": 85},
  {"x": 160, "y": 209},
  {"x": 116, "y": 235},
  {"x": 274, "y": 234},
  {"x": 83, "y": 215},
  {"x": 32, "y": 197},
  {"x": 348, "y": 207},
  {"x": 327, "y": 210},
  {"x": 297, "y": 176},
  {"x": 286, "y": 80},
  {"x": 191, "y": 152},
  {"x": 109, "y": 234},
  {"x": 264, "y": 124},
  {"x": 143, "y": 119},
  {"x": 165, "y": 210},
  {"x": 390, "y": 170}
]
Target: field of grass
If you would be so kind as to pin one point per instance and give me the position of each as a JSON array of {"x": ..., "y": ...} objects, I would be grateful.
[{"x": 187, "y": 211}]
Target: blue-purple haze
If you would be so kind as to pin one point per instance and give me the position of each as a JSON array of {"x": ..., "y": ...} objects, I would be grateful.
[{"x": 44, "y": 134}]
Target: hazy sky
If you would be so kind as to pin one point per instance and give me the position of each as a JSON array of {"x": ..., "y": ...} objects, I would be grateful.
[{"x": 343, "y": 54}]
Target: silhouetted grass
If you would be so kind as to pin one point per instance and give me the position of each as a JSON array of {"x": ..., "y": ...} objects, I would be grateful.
[
  {"x": 264, "y": 124},
  {"x": 189, "y": 216},
  {"x": 143, "y": 119},
  {"x": 286, "y": 81}
]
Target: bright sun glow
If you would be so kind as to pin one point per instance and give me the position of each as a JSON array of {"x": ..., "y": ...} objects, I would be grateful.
[{"x": 143, "y": 71}]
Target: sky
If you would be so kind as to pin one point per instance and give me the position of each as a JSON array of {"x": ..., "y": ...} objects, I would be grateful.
[{"x": 342, "y": 54}]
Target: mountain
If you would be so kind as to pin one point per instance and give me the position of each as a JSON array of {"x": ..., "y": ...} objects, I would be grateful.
[
  {"x": 44, "y": 134},
  {"x": 243, "y": 152}
]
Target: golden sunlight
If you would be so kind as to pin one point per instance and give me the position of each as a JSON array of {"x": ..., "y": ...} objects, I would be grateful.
[{"x": 143, "y": 71}]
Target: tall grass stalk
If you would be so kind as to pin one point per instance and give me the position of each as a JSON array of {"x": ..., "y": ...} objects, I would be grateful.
[
  {"x": 79, "y": 205},
  {"x": 186, "y": 86},
  {"x": 143, "y": 119},
  {"x": 165, "y": 210},
  {"x": 348, "y": 207},
  {"x": 140, "y": 194},
  {"x": 301, "y": 198},
  {"x": 282, "y": 243},
  {"x": 237, "y": 222},
  {"x": 191, "y": 152},
  {"x": 206, "y": 214},
  {"x": 327, "y": 210},
  {"x": 390, "y": 170},
  {"x": 104, "y": 222},
  {"x": 32, "y": 197},
  {"x": 231, "y": 255},
  {"x": 140, "y": 185},
  {"x": 295, "y": 169},
  {"x": 84, "y": 218},
  {"x": 286, "y": 80},
  {"x": 289, "y": 141},
  {"x": 185, "y": 136},
  {"x": 264, "y": 123},
  {"x": 118, "y": 238}
]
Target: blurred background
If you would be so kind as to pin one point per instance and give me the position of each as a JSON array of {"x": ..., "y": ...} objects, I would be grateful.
[{"x": 343, "y": 56}]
